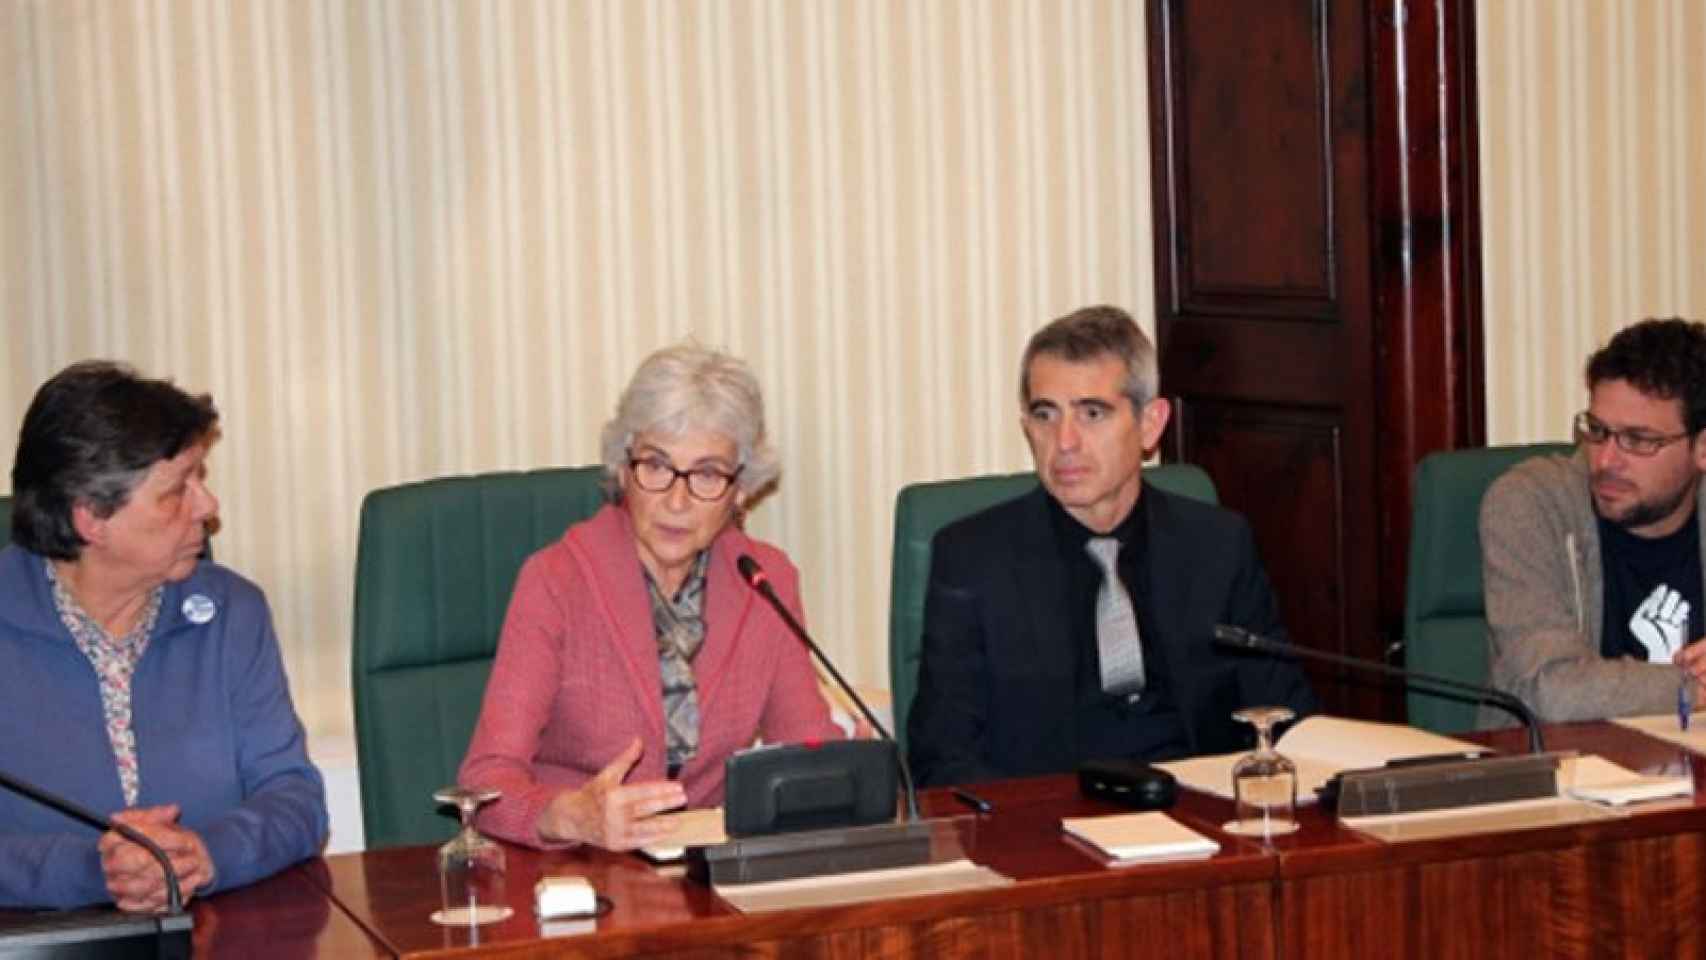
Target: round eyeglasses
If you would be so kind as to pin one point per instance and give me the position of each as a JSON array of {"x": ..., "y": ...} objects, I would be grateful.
[
  {"x": 657, "y": 475},
  {"x": 1590, "y": 429}
]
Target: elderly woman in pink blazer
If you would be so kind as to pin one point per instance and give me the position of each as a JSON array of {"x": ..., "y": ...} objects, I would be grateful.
[{"x": 634, "y": 660}]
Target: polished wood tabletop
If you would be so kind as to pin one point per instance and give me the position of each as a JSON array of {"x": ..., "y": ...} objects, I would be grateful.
[
  {"x": 1066, "y": 902},
  {"x": 1632, "y": 885},
  {"x": 1629, "y": 886},
  {"x": 288, "y": 917}
]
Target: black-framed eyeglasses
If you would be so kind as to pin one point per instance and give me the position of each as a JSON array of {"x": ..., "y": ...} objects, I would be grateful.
[
  {"x": 1642, "y": 443},
  {"x": 657, "y": 475}
]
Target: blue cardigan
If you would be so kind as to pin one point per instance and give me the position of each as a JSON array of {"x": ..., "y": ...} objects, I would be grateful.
[{"x": 215, "y": 733}]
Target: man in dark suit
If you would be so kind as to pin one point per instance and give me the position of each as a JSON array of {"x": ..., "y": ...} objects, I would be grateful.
[{"x": 1075, "y": 622}]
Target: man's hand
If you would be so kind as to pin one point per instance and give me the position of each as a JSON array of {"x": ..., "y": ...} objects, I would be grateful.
[
  {"x": 606, "y": 813},
  {"x": 133, "y": 876},
  {"x": 1692, "y": 659}
]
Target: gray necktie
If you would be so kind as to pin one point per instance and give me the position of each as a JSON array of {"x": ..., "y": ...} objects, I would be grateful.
[{"x": 1117, "y": 641}]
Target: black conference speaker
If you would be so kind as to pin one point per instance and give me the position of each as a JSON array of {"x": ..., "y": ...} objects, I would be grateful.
[
  {"x": 1128, "y": 783},
  {"x": 838, "y": 783}
]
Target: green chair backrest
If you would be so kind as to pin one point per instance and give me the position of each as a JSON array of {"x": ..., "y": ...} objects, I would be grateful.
[
  {"x": 924, "y": 508},
  {"x": 5, "y": 520},
  {"x": 1445, "y": 622},
  {"x": 434, "y": 570}
]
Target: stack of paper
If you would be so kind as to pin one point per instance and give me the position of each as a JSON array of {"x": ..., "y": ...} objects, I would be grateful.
[
  {"x": 1600, "y": 780},
  {"x": 1321, "y": 747},
  {"x": 1140, "y": 836}
]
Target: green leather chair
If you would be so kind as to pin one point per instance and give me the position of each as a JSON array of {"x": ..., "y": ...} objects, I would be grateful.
[
  {"x": 924, "y": 508},
  {"x": 1445, "y": 622},
  {"x": 434, "y": 568},
  {"x": 5, "y": 520}
]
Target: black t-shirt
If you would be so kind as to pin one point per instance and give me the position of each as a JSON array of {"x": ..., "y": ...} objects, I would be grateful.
[
  {"x": 1647, "y": 584},
  {"x": 1110, "y": 727}
]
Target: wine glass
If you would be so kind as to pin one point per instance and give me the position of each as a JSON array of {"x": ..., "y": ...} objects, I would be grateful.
[
  {"x": 470, "y": 867},
  {"x": 1264, "y": 783}
]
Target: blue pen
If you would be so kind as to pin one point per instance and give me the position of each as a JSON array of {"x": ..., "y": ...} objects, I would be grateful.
[{"x": 1684, "y": 706}]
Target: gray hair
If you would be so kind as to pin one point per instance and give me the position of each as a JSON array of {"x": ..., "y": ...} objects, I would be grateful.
[
  {"x": 1091, "y": 332},
  {"x": 688, "y": 387}
]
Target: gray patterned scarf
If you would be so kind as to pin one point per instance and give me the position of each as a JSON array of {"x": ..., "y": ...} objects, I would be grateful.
[{"x": 679, "y": 624}]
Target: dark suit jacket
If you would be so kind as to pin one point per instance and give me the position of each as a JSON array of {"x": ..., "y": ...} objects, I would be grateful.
[{"x": 996, "y": 684}]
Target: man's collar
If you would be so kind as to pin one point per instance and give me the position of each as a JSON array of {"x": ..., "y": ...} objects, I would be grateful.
[{"x": 1073, "y": 535}]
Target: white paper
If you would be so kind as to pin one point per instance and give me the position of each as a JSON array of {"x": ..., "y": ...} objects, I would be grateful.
[
  {"x": 1664, "y": 726},
  {"x": 1140, "y": 836},
  {"x": 862, "y": 887},
  {"x": 1320, "y": 747},
  {"x": 1598, "y": 779},
  {"x": 1483, "y": 818}
]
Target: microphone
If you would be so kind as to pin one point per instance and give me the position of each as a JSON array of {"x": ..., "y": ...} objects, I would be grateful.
[
  {"x": 1237, "y": 638},
  {"x": 756, "y": 579},
  {"x": 174, "y": 900}
]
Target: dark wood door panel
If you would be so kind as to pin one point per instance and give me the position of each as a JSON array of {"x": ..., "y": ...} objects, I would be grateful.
[
  {"x": 1253, "y": 109},
  {"x": 1265, "y": 319},
  {"x": 1283, "y": 469},
  {"x": 1253, "y": 359}
]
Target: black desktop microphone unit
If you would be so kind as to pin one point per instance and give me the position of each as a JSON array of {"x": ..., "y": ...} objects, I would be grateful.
[
  {"x": 1237, "y": 638},
  {"x": 755, "y": 578},
  {"x": 103, "y": 932},
  {"x": 806, "y": 776}
]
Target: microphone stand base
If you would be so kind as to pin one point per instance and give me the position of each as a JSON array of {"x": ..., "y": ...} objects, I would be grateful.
[
  {"x": 96, "y": 933},
  {"x": 812, "y": 853},
  {"x": 1416, "y": 787}
]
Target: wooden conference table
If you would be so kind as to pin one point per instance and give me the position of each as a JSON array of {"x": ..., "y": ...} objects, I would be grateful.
[{"x": 1630, "y": 886}]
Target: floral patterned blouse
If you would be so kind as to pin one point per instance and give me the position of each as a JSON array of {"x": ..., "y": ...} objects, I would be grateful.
[{"x": 114, "y": 660}]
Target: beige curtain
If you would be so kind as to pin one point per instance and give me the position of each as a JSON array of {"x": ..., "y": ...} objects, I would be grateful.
[{"x": 406, "y": 239}]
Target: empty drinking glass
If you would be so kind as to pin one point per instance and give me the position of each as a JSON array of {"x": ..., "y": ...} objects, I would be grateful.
[
  {"x": 1264, "y": 783},
  {"x": 470, "y": 867}
]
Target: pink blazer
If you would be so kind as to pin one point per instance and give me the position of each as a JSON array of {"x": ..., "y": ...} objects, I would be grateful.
[{"x": 576, "y": 675}]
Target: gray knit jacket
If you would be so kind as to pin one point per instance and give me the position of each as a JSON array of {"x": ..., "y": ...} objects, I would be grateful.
[{"x": 1545, "y": 599}]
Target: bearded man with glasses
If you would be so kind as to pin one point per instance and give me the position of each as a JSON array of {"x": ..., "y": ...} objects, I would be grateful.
[{"x": 1592, "y": 562}]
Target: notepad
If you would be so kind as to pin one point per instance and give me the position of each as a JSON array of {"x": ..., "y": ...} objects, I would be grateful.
[
  {"x": 702, "y": 827},
  {"x": 1140, "y": 836}
]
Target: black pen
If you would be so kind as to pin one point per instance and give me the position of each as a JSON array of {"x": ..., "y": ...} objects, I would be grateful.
[{"x": 973, "y": 801}]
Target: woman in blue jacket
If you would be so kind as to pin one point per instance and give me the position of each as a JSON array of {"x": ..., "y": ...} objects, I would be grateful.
[{"x": 138, "y": 678}]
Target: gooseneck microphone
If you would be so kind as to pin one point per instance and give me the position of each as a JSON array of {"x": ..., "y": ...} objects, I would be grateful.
[
  {"x": 76, "y": 811},
  {"x": 755, "y": 578},
  {"x": 1237, "y": 638}
]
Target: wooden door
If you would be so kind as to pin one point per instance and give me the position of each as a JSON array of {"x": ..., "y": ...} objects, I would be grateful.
[{"x": 1318, "y": 285}]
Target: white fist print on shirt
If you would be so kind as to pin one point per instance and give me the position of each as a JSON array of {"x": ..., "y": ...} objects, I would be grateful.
[{"x": 1660, "y": 623}]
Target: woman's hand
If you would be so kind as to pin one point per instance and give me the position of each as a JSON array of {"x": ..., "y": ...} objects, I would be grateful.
[
  {"x": 132, "y": 874},
  {"x": 607, "y": 813}
]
